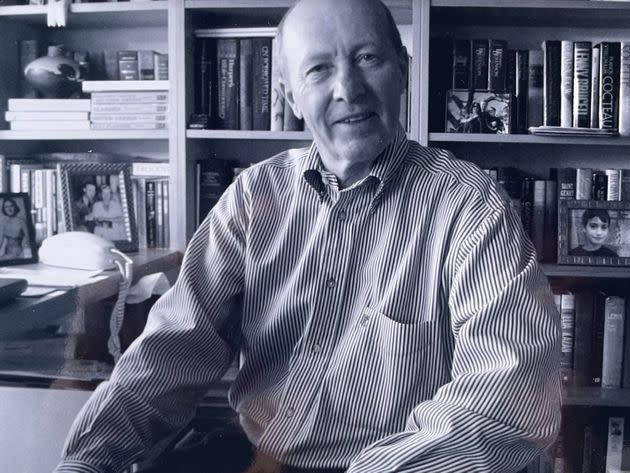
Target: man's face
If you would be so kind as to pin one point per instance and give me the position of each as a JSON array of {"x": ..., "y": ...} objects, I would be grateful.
[
  {"x": 90, "y": 191},
  {"x": 344, "y": 76}
]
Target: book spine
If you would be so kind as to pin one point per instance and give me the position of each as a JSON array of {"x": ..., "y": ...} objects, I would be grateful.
[
  {"x": 566, "y": 84},
  {"x": 160, "y": 66},
  {"x": 203, "y": 79},
  {"x": 128, "y": 117},
  {"x": 582, "y": 64},
  {"x": 150, "y": 169},
  {"x": 245, "y": 83},
  {"x": 600, "y": 186},
  {"x": 110, "y": 59},
  {"x": 583, "y": 337},
  {"x": 138, "y": 190},
  {"x": 213, "y": 177},
  {"x": 567, "y": 327},
  {"x": 497, "y": 65},
  {"x": 613, "y": 189},
  {"x": 151, "y": 228},
  {"x": 129, "y": 126},
  {"x": 277, "y": 97},
  {"x": 614, "y": 446},
  {"x": 228, "y": 72},
  {"x": 595, "y": 86},
  {"x": 551, "y": 83},
  {"x": 535, "y": 89},
  {"x": 614, "y": 315},
  {"x": 522, "y": 90},
  {"x": 38, "y": 125},
  {"x": 597, "y": 339},
  {"x": 12, "y": 116},
  {"x": 527, "y": 205},
  {"x": 262, "y": 84},
  {"x": 116, "y": 98},
  {"x": 4, "y": 174},
  {"x": 166, "y": 212},
  {"x": 610, "y": 55},
  {"x": 49, "y": 105},
  {"x": 479, "y": 71},
  {"x": 161, "y": 108},
  {"x": 583, "y": 183},
  {"x": 625, "y": 376},
  {"x": 146, "y": 69},
  {"x": 462, "y": 60},
  {"x": 50, "y": 205},
  {"x": 550, "y": 227},
  {"x": 624, "y": 90},
  {"x": 29, "y": 51},
  {"x": 159, "y": 215},
  {"x": 128, "y": 65},
  {"x": 538, "y": 218}
]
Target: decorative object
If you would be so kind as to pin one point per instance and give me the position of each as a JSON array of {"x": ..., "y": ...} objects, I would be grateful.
[
  {"x": 97, "y": 198},
  {"x": 594, "y": 232},
  {"x": 54, "y": 75},
  {"x": 17, "y": 233},
  {"x": 478, "y": 111}
]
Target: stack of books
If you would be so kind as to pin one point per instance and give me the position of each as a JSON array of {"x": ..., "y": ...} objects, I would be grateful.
[
  {"x": 128, "y": 105},
  {"x": 48, "y": 114}
]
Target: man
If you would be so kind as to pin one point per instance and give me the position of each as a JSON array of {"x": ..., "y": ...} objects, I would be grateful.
[
  {"x": 388, "y": 310},
  {"x": 84, "y": 206}
]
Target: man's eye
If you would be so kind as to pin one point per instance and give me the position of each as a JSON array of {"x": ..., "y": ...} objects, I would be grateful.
[
  {"x": 367, "y": 58},
  {"x": 319, "y": 68}
]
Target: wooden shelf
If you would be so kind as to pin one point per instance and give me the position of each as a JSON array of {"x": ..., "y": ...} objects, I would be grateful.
[
  {"x": 401, "y": 9},
  {"x": 91, "y": 15},
  {"x": 573, "y": 13},
  {"x": 593, "y": 272},
  {"x": 38, "y": 135},
  {"x": 249, "y": 135},
  {"x": 526, "y": 139},
  {"x": 592, "y": 396}
]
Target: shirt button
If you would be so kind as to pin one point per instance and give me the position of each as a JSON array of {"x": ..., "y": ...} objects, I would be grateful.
[
  {"x": 330, "y": 283},
  {"x": 317, "y": 348},
  {"x": 290, "y": 412},
  {"x": 342, "y": 216},
  {"x": 365, "y": 319}
]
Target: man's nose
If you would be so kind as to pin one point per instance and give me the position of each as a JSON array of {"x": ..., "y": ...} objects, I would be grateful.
[{"x": 348, "y": 84}]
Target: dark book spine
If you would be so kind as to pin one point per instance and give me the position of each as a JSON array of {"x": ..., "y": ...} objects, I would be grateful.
[
  {"x": 510, "y": 86},
  {"x": 583, "y": 337},
  {"x": 527, "y": 205},
  {"x": 227, "y": 78},
  {"x": 625, "y": 376},
  {"x": 535, "y": 89},
  {"x": 614, "y": 314},
  {"x": 497, "y": 64},
  {"x": 479, "y": 69},
  {"x": 551, "y": 83},
  {"x": 151, "y": 222},
  {"x": 521, "y": 92},
  {"x": 214, "y": 176},
  {"x": 597, "y": 339},
  {"x": 610, "y": 55},
  {"x": 550, "y": 235},
  {"x": 245, "y": 83},
  {"x": 128, "y": 65},
  {"x": 582, "y": 52},
  {"x": 262, "y": 84},
  {"x": 600, "y": 186},
  {"x": 29, "y": 51},
  {"x": 203, "y": 79},
  {"x": 461, "y": 64}
]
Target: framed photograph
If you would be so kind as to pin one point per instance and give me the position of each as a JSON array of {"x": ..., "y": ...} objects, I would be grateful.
[
  {"x": 594, "y": 232},
  {"x": 17, "y": 233},
  {"x": 97, "y": 198},
  {"x": 477, "y": 111}
]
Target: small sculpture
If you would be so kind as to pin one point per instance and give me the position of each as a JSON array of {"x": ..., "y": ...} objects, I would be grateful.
[{"x": 54, "y": 75}]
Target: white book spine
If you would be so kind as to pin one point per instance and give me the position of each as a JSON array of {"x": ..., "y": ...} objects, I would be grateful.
[
  {"x": 583, "y": 183},
  {"x": 624, "y": 90},
  {"x": 13, "y": 116},
  {"x": 129, "y": 126},
  {"x": 613, "y": 190},
  {"x": 42, "y": 125},
  {"x": 150, "y": 169},
  {"x": 127, "y": 117},
  {"x": 595, "y": 87},
  {"x": 614, "y": 447},
  {"x": 131, "y": 108},
  {"x": 111, "y": 98},
  {"x": 614, "y": 313},
  {"x": 49, "y": 105},
  {"x": 566, "y": 84}
]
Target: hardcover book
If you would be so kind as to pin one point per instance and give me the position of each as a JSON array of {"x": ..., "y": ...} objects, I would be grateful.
[
  {"x": 624, "y": 90},
  {"x": 461, "y": 64},
  {"x": 614, "y": 318},
  {"x": 262, "y": 83},
  {"x": 551, "y": 83},
  {"x": 479, "y": 69},
  {"x": 566, "y": 83},
  {"x": 610, "y": 55},
  {"x": 227, "y": 79},
  {"x": 582, "y": 65}
]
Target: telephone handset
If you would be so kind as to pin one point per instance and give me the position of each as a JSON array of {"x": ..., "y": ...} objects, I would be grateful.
[{"x": 78, "y": 250}]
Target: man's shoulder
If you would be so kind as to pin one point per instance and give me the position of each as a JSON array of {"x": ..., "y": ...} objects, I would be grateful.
[
  {"x": 284, "y": 160},
  {"x": 462, "y": 176}
]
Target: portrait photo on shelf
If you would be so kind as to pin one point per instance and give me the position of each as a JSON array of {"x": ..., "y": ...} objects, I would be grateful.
[
  {"x": 594, "y": 232},
  {"x": 17, "y": 232},
  {"x": 477, "y": 111},
  {"x": 97, "y": 198}
]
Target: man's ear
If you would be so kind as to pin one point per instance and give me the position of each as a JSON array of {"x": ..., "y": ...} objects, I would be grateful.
[
  {"x": 288, "y": 96},
  {"x": 403, "y": 59}
]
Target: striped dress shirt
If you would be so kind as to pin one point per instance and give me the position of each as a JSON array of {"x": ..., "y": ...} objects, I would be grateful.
[{"x": 400, "y": 324}]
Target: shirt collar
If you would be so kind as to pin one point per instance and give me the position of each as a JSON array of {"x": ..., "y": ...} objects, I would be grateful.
[{"x": 384, "y": 168}]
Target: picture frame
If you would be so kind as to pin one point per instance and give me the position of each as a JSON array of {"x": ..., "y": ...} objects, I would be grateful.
[
  {"x": 478, "y": 111},
  {"x": 594, "y": 233},
  {"x": 17, "y": 233},
  {"x": 98, "y": 198}
]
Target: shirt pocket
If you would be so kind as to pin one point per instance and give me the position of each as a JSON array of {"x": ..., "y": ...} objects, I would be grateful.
[{"x": 392, "y": 337}]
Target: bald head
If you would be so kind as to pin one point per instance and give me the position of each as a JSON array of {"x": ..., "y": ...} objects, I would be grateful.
[{"x": 309, "y": 8}]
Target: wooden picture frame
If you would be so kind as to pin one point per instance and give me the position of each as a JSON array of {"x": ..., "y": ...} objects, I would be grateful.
[
  {"x": 17, "y": 232},
  {"x": 593, "y": 232},
  {"x": 97, "y": 198}
]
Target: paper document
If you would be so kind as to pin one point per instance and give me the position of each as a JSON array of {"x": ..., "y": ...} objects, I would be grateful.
[{"x": 43, "y": 275}]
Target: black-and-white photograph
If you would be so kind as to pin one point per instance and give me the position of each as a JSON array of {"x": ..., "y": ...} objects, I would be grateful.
[
  {"x": 594, "y": 233},
  {"x": 17, "y": 234},
  {"x": 97, "y": 199}
]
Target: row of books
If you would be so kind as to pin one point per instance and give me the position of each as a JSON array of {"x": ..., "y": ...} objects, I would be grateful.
[
  {"x": 98, "y": 65},
  {"x": 595, "y": 347},
  {"x": 589, "y": 442},
  {"x": 40, "y": 179},
  {"x": 105, "y": 110}
]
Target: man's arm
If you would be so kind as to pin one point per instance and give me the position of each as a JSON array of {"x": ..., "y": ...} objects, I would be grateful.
[
  {"x": 502, "y": 405},
  {"x": 190, "y": 338}
]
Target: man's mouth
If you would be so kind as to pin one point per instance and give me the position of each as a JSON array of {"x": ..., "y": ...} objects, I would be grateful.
[{"x": 356, "y": 118}]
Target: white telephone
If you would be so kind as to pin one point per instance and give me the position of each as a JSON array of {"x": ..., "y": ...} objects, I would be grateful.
[{"x": 79, "y": 250}]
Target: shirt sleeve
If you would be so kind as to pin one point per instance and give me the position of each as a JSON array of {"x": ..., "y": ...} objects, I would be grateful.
[
  {"x": 190, "y": 338},
  {"x": 502, "y": 404}
]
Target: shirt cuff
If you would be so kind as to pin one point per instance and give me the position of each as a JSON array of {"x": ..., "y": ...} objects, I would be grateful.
[{"x": 73, "y": 466}]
